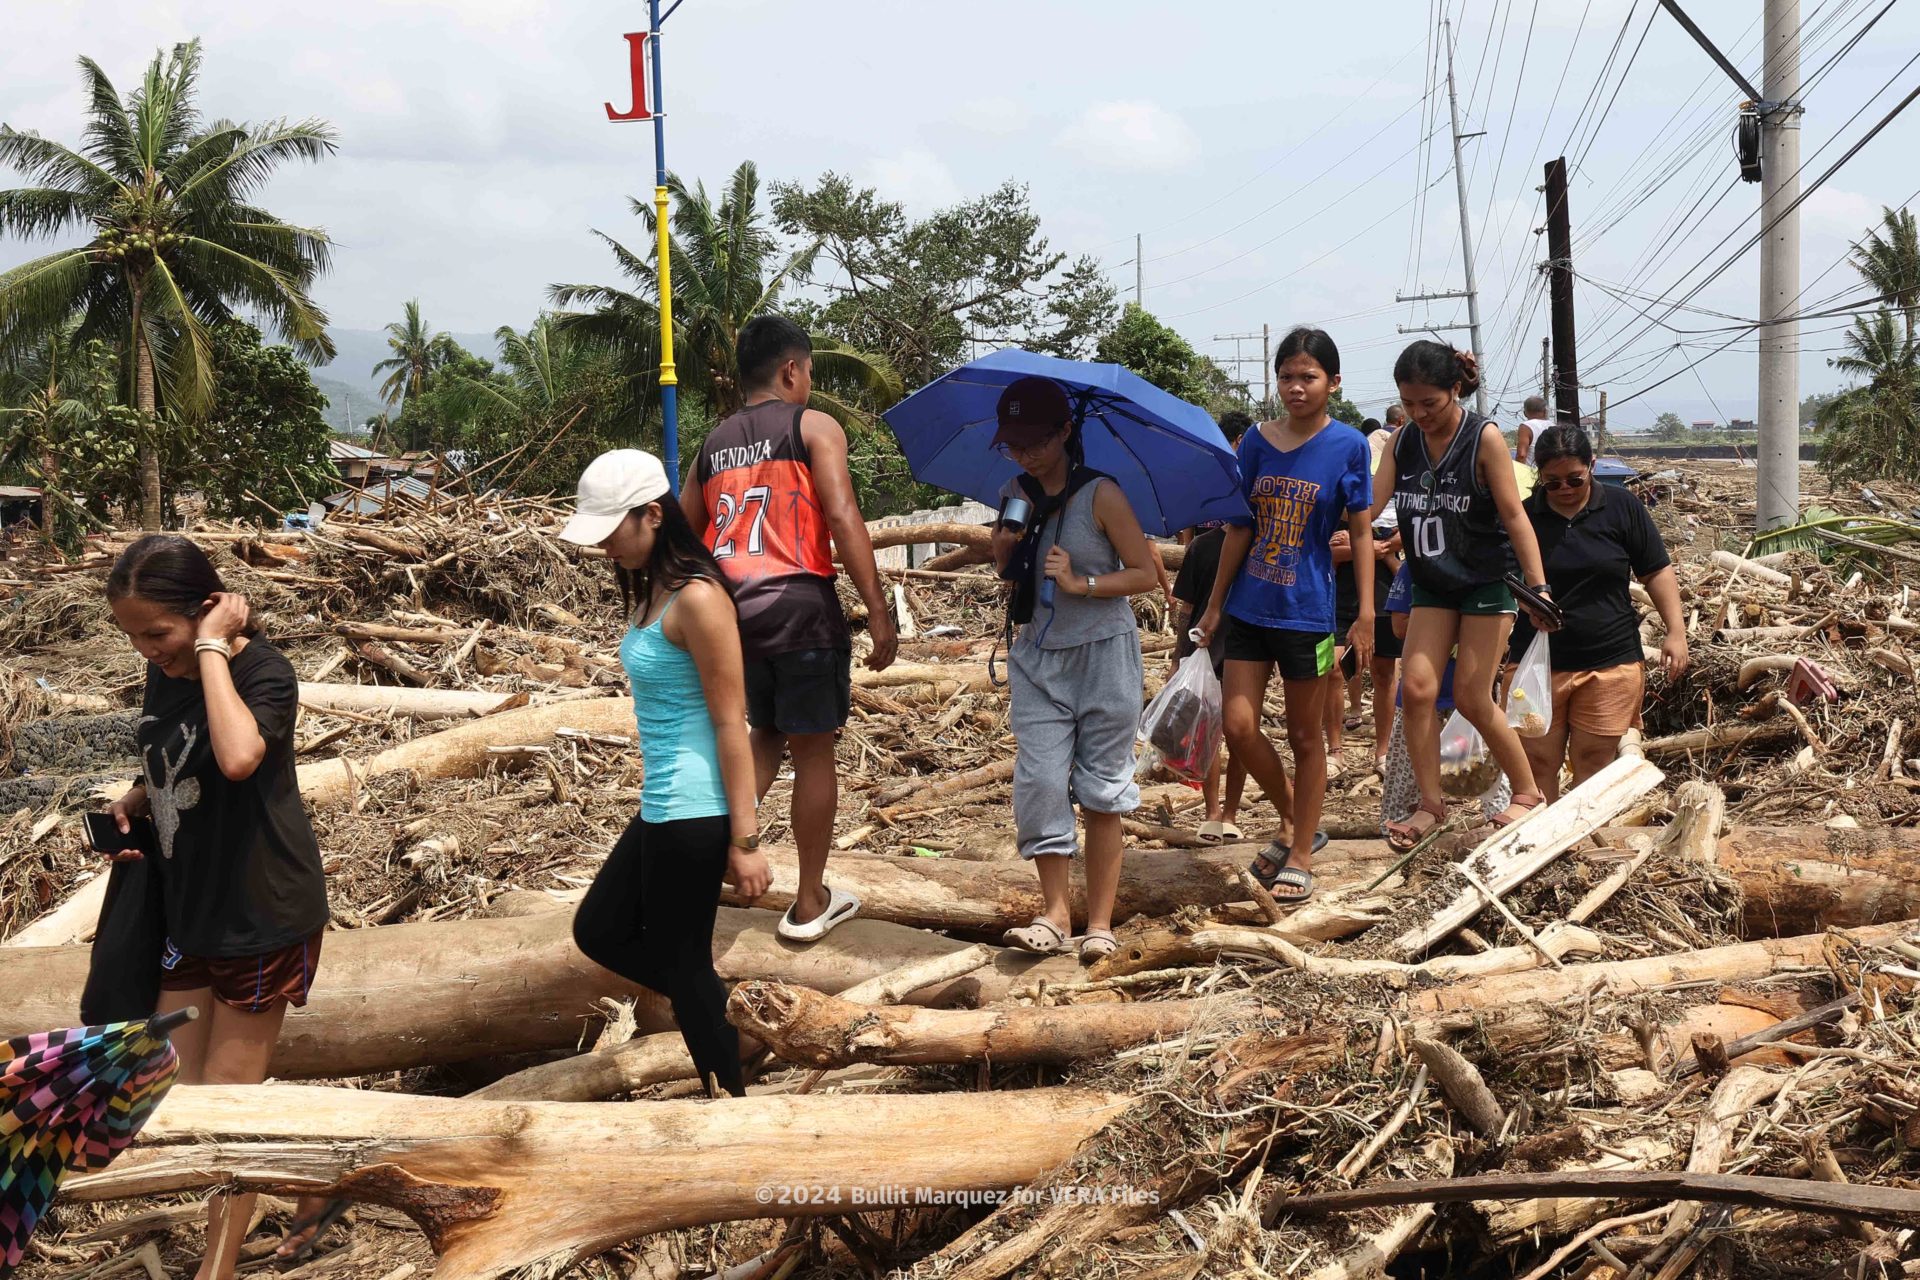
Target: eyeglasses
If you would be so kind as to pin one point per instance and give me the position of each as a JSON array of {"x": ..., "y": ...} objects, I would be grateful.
[
  {"x": 1575, "y": 482},
  {"x": 1007, "y": 449}
]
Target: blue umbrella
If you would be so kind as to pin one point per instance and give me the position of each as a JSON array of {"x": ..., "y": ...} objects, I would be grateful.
[{"x": 1167, "y": 455}]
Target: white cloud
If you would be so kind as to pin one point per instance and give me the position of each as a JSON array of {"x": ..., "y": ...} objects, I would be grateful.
[
  {"x": 1845, "y": 214},
  {"x": 916, "y": 177},
  {"x": 996, "y": 117},
  {"x": 1133, "y": 135}
]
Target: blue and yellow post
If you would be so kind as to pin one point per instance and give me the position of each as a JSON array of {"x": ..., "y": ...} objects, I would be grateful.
[{"x": 638, "y": 56}]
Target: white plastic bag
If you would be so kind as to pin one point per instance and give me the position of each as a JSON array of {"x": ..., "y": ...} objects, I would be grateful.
[
  {"x": 1530, "y": 698},
  {"x": 1466, "y": 766},
  {"x": 1183, "y": 725}
]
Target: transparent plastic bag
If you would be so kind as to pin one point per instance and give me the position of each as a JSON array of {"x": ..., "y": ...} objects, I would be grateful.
[
  {"x": 1183, "y": 725},
  {"x": 1530, "y": 698},
  {"x": 1467, "y": 768}
]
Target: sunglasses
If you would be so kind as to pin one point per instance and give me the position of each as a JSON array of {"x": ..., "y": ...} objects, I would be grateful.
[
  {"x": 1571, "y": 482},
  {"x": 1009, "y": 450}
]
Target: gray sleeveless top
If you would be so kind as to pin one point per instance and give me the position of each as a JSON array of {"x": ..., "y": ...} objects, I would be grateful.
[{"x": 1075, "y": 620}]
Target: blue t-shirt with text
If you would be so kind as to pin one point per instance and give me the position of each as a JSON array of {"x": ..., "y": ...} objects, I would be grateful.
[{"x": 1298, "y": 498}]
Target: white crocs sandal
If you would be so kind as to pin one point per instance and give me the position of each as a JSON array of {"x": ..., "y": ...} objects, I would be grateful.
[{"x": 841, "y": 907}]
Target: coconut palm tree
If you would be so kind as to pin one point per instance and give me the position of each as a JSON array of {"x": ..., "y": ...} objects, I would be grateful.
[
  {"x": 1873, "y": 429},
  {"x": 417, "y": 353},
  {"x": 1889, "y": 260},
  {"x": 728, "y": 267},
  {"x": 176, "y": 243}
]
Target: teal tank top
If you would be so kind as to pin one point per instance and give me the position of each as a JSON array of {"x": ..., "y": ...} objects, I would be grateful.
[{"x": 681, "y": 759}]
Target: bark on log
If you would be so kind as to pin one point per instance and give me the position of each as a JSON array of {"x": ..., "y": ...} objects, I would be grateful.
[
  {"x": 461, "y": 751},
  {"x": 413, "y": 995},
  {"x": 1804, "y": 879},
  {"x": 1734, "y": 566},
  {"x": 415, "y": 704},
  {"x": 817, "y": 1030},
  {"x": 1699, "y": 811},
  {"x": 1716, "y": 738},
  {"x": 498, "y": 1186}
]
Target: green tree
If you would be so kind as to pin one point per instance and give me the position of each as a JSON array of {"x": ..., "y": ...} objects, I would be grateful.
[
  {"x": 1889, "y": 260},
  {"x": 1160, "y": 355},
  {"x": 417, "y": 352},
  {"x": 176, "y": 241},
  {"x": 1669, "y": 426},
  {"x": 728, "y": 267},
  {"x": 925, "y": 293},
  {"x": 1873, "y": 429},
  {"x": 1811, "y": 406},
  {"x": 262, "y": 448},
  {"x": 67, "y": 433}
]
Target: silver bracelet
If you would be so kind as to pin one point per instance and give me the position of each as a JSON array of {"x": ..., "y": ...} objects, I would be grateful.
[{"x": 220, "y": 647}]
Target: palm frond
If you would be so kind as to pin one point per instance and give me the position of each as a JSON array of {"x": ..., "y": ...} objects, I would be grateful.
[
  {"x": 109, "y": 136},
  {"x": 266, "y": 290},
  {"x": 54, "y": 164},
  {"x": 187, "y": 369},
  {"x": 35, "y": 212},
  {"x": 38, "y": 297},
  {"x": 234, "y": 176}
]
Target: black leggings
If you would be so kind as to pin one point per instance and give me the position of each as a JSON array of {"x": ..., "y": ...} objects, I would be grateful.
[{"x": 649, "y": 917}]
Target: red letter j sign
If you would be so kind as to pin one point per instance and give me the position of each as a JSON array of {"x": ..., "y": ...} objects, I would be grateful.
[{"x": 637, "y": 73}]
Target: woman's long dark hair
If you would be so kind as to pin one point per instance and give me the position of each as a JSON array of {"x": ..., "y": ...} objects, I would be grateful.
[
  {"x": 678, "y": 558},
  {"x": 1564, "y": 441},
  {"x": 170, "y": 571},
  {"x": 1435, "y": 364}
]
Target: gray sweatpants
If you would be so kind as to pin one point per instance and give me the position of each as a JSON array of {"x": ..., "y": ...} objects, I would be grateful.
[{"x": 1074, "y": 714}]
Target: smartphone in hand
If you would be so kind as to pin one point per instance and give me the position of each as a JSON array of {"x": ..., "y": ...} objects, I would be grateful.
[{"x": 105, "y": 838}]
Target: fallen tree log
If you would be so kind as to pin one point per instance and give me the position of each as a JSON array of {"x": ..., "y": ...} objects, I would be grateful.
[
  {"x": 461, "y": 751},
  {"x": 1896, "y": 1206},
  {"x": 1738, "y": 962},
  {"x": 499, "y": 1186},
  {"x": 1717, "y": 738},
  {"x": 816, "y": 1030},
  {"x": 415, "y": 704},
  {"x": 1804, "y": 879},
  {"x": 71, "y": 921},
  {"x": 657, "y": 1059},
  {"x": 414, "y": 995}
]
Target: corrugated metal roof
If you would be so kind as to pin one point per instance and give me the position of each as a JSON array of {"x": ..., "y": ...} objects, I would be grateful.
[
  {"x": 17, "y": 491},
  {"x": 374, "y": 497},
  {"x": 341, "y": 451}
]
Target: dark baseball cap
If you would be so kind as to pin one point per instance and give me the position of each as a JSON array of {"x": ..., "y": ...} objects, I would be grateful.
[{"x": 1030, "y": 410}]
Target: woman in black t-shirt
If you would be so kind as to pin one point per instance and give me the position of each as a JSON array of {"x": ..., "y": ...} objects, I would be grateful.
[
  {"x": 241, "y": 891},
  {"x": 1594, "y": 541}
]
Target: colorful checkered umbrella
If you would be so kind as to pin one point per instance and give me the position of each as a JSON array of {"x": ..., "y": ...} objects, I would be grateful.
[{"x": 73, "y": 1100}]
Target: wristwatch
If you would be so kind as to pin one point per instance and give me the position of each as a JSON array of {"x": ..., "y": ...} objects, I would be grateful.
[
  {"x": 1090, "y": 578},
  {"x": 749, "y": 843}
]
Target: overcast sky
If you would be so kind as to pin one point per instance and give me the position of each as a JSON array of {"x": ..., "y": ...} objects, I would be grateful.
[{"x": 1270, "y": 153}]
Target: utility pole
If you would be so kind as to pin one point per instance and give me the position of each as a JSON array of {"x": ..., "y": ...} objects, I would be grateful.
[
  {"x": 1546, "y": 368},
  {"x": 1778, "y": 499},
  {"x": 1236, "y": 339},
  {"x": 1139, "y": 281},
  {"x": 1600, "y": 427},
  {"x": 1470, "y": 293},
  {"x": 1777, "y": 159},
  {"x": 1566, "y": 377},
  {"x": 1266, "y": 364}
]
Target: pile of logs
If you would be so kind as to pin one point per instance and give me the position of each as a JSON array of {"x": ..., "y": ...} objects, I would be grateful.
[{"x": 1237, "y": 1088}]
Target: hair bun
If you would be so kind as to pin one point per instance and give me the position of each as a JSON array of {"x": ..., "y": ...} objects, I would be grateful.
[{"x": 1469, "y": 368}]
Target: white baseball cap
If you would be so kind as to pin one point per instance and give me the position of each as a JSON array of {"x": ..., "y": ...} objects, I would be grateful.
[{"x": 612, "y": 485}]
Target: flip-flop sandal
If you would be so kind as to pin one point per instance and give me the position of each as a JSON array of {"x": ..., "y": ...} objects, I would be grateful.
[
  {"x": 1299, "y": 879},
  {"x": 841, "y": 907},
  {"x": 1351, "y": 723},
  {"x": 1097, "y": 945},
  {"x": 1277, "y": 856},
  {"x": 1041, "y": 936},
  {"x": 1402, "y": 837},
  {"x": 332, "y": 1213},
  {"x": 1521, "y": 801},
  {"x": 1211, "y": 832},
  {"x": 1230, "y": 834}
]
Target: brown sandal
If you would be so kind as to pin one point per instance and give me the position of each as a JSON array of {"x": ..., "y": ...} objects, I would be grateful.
[
  {"x": 1521, "y": 801},
  {"x": 1404, "y": 837}
]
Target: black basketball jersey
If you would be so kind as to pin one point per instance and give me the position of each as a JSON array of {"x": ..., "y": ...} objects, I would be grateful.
[{"x": 1449, "y": 525}]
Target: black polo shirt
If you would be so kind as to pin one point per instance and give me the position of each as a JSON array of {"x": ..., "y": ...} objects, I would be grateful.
[{"x": 1590, "y": 559}]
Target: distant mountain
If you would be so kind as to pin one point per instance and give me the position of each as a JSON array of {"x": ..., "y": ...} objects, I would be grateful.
[{"x": 348, "y": 377}]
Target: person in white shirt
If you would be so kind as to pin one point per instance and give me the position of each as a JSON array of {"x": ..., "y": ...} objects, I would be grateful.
[{"x": 1537, "y": 421}]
